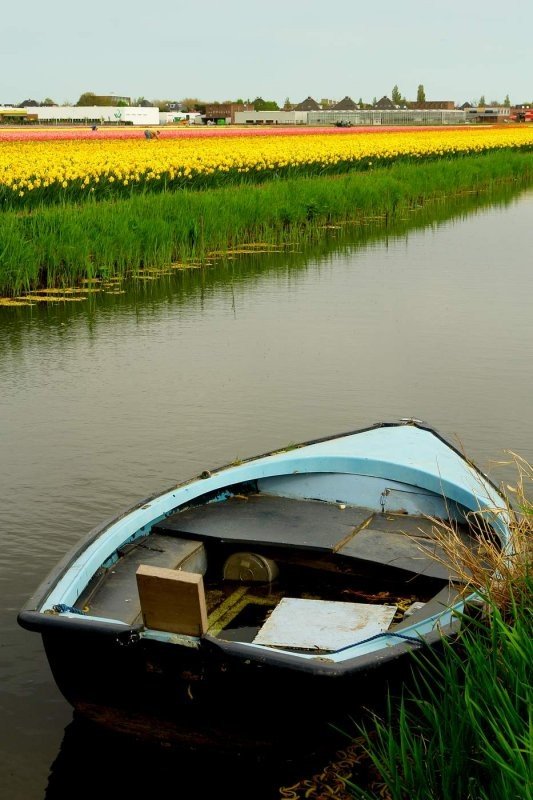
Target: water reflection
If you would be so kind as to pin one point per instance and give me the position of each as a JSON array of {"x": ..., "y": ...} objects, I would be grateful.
[
  {"x": 192, "y": 289},
  {"x": 107, "y": 401},
  {"x": 96, "y": 763}
]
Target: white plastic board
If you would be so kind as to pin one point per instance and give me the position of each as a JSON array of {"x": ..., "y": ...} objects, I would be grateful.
[{"x": 323, "y": 624}]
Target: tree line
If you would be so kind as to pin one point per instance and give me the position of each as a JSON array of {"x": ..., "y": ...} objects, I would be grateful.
[{"x": 195, "y": 104}]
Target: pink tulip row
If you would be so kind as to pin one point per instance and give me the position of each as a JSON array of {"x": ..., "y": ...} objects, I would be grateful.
[{"x": 59, "y": 134}]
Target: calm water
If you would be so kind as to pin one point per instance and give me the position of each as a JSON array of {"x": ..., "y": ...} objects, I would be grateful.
[{"x": 104, "y": 402}]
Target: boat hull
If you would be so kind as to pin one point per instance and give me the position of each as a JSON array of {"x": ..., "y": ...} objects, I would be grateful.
[
  {"x": 207, "y": 697},
  {"x": 168, "y": 683}
]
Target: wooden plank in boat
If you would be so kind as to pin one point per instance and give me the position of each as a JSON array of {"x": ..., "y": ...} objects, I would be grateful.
[
  {"x": 266, "y": 519},
  {"x": 172, "y": 600}
]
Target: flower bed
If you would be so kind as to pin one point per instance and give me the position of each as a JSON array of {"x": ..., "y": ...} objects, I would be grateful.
[{"x": 50, "y": 171}]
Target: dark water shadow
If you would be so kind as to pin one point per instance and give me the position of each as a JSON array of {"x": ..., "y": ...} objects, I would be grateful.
[{"x": 95, "y": 763}]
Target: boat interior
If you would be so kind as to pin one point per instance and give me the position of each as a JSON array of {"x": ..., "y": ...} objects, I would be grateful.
[{"x": 248, "y": 550}]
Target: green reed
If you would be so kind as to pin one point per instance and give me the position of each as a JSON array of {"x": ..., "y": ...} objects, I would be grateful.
[
  {"x": 465, "y": 731},
  {"x": 464, "y": 728},
  {"x": 62, "y": 244}
]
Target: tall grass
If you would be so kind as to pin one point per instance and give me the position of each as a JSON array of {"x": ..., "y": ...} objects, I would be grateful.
[
  {"x": 465, "y": 731},
  {"x": 60, "y": 245}
]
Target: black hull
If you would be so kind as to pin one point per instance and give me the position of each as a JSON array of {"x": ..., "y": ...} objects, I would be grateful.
[{"x": 207, "y": 698}]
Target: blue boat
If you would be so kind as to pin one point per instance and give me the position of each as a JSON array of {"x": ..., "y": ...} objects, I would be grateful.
[{"x": 270, "y": 594}]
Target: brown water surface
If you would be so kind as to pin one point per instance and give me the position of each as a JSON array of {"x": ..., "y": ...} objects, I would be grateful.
[{"x": 106, "y": 401}]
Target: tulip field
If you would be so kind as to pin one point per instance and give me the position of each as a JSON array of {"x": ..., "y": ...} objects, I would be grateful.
[
  {"x": 37, "y": 169},
  {"x": 79, "y": 205}
]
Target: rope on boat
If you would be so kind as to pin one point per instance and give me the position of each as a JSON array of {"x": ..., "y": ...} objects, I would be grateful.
[
  {"x": 62, "y": 608},
  {"x": 418, "y": 641}
]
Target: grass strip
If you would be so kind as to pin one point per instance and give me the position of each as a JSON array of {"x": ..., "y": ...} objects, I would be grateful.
[
  {"x": 62, "y": 245},
  {"x": 465, "y": 731}
]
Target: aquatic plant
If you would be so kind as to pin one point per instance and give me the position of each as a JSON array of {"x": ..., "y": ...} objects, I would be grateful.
[{"x": 60, "y": 245}]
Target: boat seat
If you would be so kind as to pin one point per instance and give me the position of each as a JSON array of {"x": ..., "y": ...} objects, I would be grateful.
[
  {"x": 114, "y": 593},
  {"x": 397, "y": 541}
]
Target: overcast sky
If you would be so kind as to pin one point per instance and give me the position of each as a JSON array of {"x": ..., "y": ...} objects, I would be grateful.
[{"x": 222, "y": 49}]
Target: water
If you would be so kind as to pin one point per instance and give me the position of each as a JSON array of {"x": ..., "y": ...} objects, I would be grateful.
[{"x": 104, "y": 402}]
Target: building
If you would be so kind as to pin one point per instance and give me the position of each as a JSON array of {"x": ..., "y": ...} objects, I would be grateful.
[
  {"x": 271, "y": 117},
  {"x": 346, "y": 104},
  {"x": 180, "y": 118},
  {"x": 224, "y": 112},
  {"x": 436, "y": 105},
  {"x": 492, "y": 114},
  {"x": 94, "y": 115},
  {"x": 397, "y": 116},
  {"x": 307, "y": 105},
  {"x": 17, "y": 116},
  {"x": 394, "y": 116},
  {"x": 385, "y": 104}
]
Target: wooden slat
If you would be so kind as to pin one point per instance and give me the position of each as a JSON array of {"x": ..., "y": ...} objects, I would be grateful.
[{"x": 172, "y": 600}]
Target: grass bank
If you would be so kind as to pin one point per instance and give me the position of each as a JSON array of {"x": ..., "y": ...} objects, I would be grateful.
[
  {"x": 62, "y": 245},
  {"x": 466, "y": 731}
]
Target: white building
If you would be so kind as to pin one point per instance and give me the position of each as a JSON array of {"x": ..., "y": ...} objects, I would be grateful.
[
  {"x": 180, "y": 117},
  {"x": 95, "y": 115}
]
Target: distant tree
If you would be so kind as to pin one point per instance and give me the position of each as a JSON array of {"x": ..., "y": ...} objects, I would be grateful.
[
  {"x": 507, "y": 102},
  {"x": 191, "y": 103},
  {"x": 122, "y": 104},
  {"x": 360, "y": 103},
  {"x": 87, "y": 99},
  {"x": 48, "y": 102},
  {"x": 287, "y": 105},
  {"x": 482, "y": 102},
  {"x": 265, "y": 105},
  {"x": 162, "y": 105},
  {"x": 28, "y": 104},
  {"x": 374, "y": 101},
  {"x": 396, "y": 96},
  {"x": 420, "y": 94}
]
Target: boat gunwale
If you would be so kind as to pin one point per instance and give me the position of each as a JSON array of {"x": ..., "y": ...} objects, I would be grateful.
[
  {"x": 242, "y": 653},
  {"x": 53, "y": 577}
]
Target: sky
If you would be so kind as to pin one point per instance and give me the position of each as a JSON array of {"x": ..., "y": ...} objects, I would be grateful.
[{"x": 227, "y": 49}]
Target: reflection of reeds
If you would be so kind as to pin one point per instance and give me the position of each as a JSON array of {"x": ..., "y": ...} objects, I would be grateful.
[{"x": 465, "y": 729}]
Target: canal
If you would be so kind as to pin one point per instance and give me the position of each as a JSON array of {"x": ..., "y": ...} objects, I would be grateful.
[{"x": 109, "y": 399}]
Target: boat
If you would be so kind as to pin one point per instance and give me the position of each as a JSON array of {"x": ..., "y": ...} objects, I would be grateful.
[{"x": 269, "y": 595}]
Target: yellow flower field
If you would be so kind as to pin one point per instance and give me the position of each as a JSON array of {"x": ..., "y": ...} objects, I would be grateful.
[{"x": 46, "y": 171}]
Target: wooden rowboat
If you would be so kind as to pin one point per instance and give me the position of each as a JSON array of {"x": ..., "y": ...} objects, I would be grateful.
[{"x": 269, "y": 594}]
